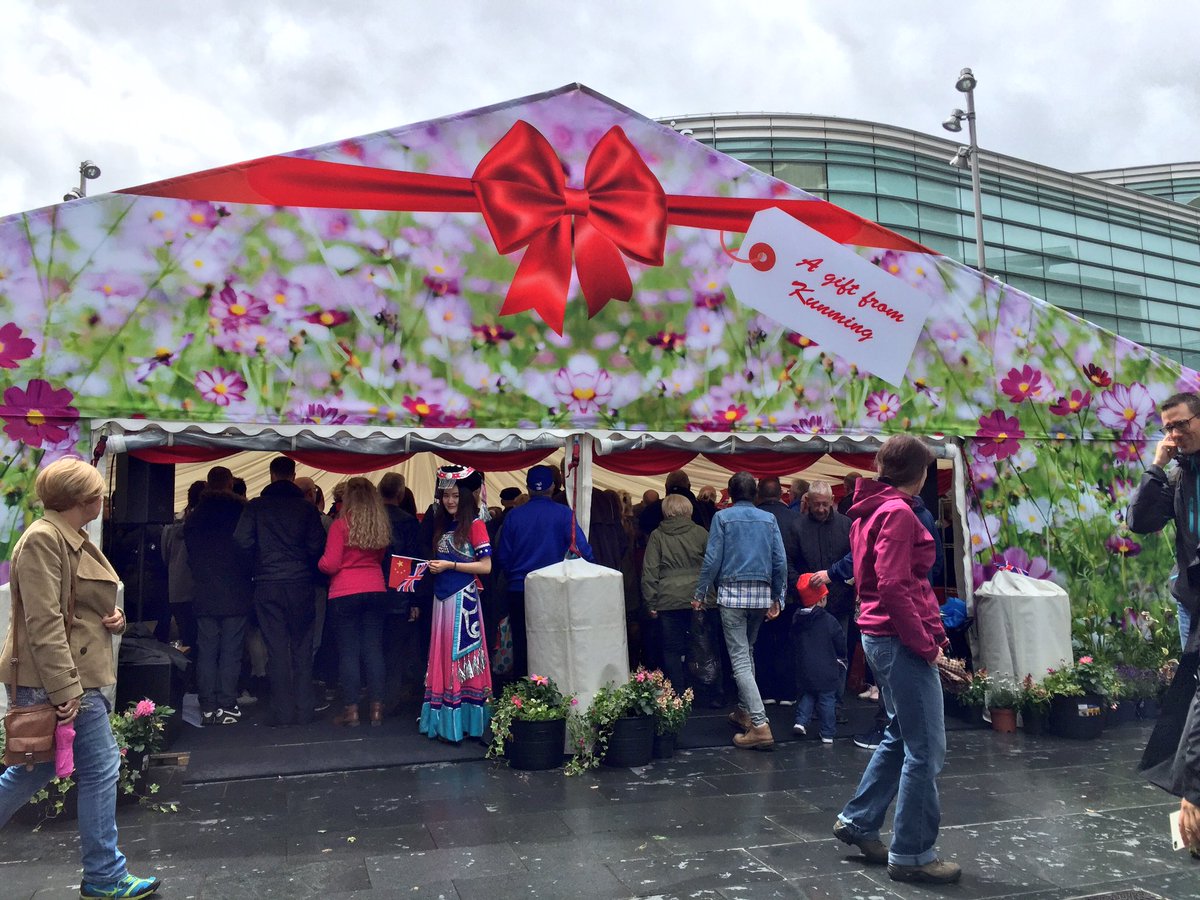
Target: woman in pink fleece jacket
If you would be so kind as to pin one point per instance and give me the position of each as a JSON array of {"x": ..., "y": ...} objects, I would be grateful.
[
  {"x": 358, "y": 598},
  {"x": 903, "y": 638}
]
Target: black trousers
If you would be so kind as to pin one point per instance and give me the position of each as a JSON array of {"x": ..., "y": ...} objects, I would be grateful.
[
  {"x": 774, "y": 659},
  {"x": 516, "y": 623},
  {"x": 287, "y": 617}
]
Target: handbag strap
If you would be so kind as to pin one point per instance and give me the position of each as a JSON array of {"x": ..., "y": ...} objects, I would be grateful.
[{"x": 18, "y": 608}]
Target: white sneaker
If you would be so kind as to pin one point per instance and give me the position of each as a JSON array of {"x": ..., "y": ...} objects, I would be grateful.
[
  {"x": 826, "y": 740},
  {"x": 770, "y": 702},
  {"x": 787, "y": 702},
  {"x": 246, "y": 699},
  {"x": 871, "y": 693},
  {"x": 799, "y": 729}
]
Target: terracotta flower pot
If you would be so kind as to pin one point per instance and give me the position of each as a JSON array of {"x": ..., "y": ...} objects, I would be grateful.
[{"x": 1004, "y": 720}]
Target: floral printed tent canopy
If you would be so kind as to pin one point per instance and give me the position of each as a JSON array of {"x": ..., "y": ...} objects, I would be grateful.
[{"x": 555, "y": 262}]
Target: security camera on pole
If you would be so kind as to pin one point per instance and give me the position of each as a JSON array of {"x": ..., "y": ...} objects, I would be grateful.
[{"x": 88, "y": 171}]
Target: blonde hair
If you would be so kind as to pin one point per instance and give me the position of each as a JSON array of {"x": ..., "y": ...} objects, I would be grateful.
[
  {"x": 367, "y": 521},
  {"x": 676, "y": 505},
  {"x": 67, "y": 483}
]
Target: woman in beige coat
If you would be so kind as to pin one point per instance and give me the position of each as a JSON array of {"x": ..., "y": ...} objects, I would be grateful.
[{"x": 68, "y": 668}]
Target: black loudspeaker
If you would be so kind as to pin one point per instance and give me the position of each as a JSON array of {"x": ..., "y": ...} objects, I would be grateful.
[{"x": 145, "y": 492}]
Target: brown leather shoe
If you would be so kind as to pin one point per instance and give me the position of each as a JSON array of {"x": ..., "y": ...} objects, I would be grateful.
[
  {"x": 348, "y": 717},
  {"x": 376, "y": 713},
  {"x": 756, "y": 737},
  {"x": 935, "y": 872},
  {"x": 739, "y": 718}
]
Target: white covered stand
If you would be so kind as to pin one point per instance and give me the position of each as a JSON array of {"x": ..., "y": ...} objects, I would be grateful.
[
  {"x": 575, "y": 621},
  {"x": 1024, "y": 626}
]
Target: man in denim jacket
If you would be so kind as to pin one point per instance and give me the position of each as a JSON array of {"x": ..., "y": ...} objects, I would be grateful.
[{"x": 745, "y": 560}]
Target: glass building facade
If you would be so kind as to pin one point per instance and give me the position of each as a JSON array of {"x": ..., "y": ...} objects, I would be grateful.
[{"x": 1120, "y": 248}]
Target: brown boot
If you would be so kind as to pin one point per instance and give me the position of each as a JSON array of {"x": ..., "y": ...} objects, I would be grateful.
[
  {"x": 739, "y": 718},
  {"x": 376, "y": 713},
  {"x": 348, "y": 717},
  {"x": 757, "y": 737}
]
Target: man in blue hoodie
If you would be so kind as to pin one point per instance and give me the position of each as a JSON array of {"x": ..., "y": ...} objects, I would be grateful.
[
  {"x": 746, "y": 561},
  {"x": 534, "y": 535}
]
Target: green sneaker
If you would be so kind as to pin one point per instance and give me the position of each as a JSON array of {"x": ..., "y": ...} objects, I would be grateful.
[{"x": 129, "y": 888}]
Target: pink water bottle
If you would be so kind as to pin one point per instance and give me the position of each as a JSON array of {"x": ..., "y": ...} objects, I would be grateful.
[{"x": 64, "y": 749}]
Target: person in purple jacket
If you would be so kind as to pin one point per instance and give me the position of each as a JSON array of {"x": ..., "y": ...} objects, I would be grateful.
[{"x": 902, "y": 636}]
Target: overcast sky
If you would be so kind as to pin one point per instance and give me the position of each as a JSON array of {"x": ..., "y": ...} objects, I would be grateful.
[{"x": 150, "y": 89}]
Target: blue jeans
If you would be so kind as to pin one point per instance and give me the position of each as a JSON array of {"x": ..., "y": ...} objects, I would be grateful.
[
  {"x": 96, "y": 766},
  {"x": 907, "y": 761},
  {"x": 826, "y": 707},
  {"x": 358, "y": 622},
  {"x": 1185, "y": 624},
  {"x": 741, "y": 628}
]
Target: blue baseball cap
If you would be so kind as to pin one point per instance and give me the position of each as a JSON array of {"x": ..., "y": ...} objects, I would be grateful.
[{"x": 540, "y": 478}]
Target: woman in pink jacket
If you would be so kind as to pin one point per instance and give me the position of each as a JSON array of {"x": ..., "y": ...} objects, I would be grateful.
[
  {"x": 358, "y": 598},
  {"x": 903, "y": 638}
]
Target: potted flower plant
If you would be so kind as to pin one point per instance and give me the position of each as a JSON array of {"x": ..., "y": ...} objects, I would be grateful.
[
  {"x": 529, "y": 724},
  {"x": 670, "y": 714},
  {"x": 1134, "y": 684},
  {"x": 973, "y": 697},
  {"x": 1079, "y": 695},
  {"x": 618, "y": 727},
  {"x": 1003, "y": 701},
  {"x": 1035, "y": 705}
]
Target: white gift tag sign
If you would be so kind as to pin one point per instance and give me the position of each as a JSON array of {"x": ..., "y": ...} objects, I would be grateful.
[{"x": 829, "y": 294}]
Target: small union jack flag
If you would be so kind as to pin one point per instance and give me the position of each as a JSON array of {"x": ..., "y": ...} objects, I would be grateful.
[{"x": 406, "y": 572}]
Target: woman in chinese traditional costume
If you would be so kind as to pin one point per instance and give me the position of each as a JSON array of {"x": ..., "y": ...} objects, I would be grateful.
[{"x": 458, "y": 680}]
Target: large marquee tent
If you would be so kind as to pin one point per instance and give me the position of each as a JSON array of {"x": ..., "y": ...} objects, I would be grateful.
[{"x": 558, "y": 273}]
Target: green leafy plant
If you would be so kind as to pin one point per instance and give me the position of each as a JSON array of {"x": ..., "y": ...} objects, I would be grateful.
[
  {"x": 1035, "y": 697},
  {"x": 535, "y": 698},
  {"x": 1004, "y": 693},
  {"x": 976, "y": 691},
  {"x": 671, "y": 708},
  {"x": 1085, "y": 676},
  {"x": 591, "y": 733}
]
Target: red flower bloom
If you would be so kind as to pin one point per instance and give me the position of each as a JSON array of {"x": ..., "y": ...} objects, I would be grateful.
[
  {"x": 1097, "y": 375},
  {"x": 800, "y": 340},
  {"x": 1022, "y": 384},
  {"x": 671, "y": 341},
  {"x": 327, "y": 317},
  {"x": 999, "y": 435},
  {"x": 419, "y": 408},
  {"x": 13, "y": 346},
  {"x": 1077, "y": 402},
  {"x": 39, "y": 414},
  {"x": 492, "y": 334}
]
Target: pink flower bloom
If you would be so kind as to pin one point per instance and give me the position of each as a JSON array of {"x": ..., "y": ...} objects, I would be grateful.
[
  {"x": 38, "y": 414},
  {"x": 1130, "y": 449},
  {"x": 492, "y": 334},
  {"x": 539, "y": 679},
  {"x": 1084, "y": 660},
  {"x": 640, "y": 676},
  {"x": 1122, "y": 546},
  {"x": 163, "y": 356},
  {"x": 1021, "y": 384},
  {"x": 318, "y": 414},
  {"x": 1077, "y": 402},
  {"x": 449, "y": 316},
  {"x": 671, "y": 341},
  {"x": 330, "y": 318},
  {"x": 420, "y": 408},
  {"x": 883, "y": 405},
  {"x": 234, "y": 312},
  {"x": 221, "y": 386},
  {"x": 999, "y": 435},
  {"x": 144, "y": 708},
  {"x": 517, "y": 702},
  {"x": 1097, "y": 376},
  {"x": 1125, "y": 409},
  {"x": 583, "y": 389},
  {"x": 574, "y": 701},
  {"x": 13, "y": 346}
]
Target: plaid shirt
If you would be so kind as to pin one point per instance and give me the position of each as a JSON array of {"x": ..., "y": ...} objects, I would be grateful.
[{"x": 744, "y": 594}]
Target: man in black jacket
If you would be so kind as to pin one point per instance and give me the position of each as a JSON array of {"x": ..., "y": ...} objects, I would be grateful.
[
  {"x": 221, "y": 577},
  {"x": 282, "y": 532}
]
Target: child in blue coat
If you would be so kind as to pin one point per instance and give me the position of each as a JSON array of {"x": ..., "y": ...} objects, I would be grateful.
[{"x": 820, "y": 647}]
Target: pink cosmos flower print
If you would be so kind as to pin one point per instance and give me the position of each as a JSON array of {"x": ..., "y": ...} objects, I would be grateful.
[
  {"x": 318, "y": 414},
  {"x": 883, "y": 406},
  {"x": 221, "y": 386},
  {"x": 233, "y": 311},
  {"x": 330, "y": 318},
  {"x": 1022, "y": 384},
  {"x": 38, "y": 414},
  {"x": 1130, "y": 449},
  {"x": 449, "y": 316},
  {"x": 1125, "y": 409},
  {"x": 999, "y": 435},
  {"x": 583, "y": 390},
  {"x": 14, "y": 346},
  {"x": 1097, "y": 376},
  {"x": 1076, "y": 403},
  {"x": 418, "y": 407},
  {"x": 163, "y": 356},
  {"x": 705, "y": 328}
]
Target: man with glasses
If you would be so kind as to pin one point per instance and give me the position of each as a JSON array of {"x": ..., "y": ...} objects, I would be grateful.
[{"x": 1163, "y": 498}]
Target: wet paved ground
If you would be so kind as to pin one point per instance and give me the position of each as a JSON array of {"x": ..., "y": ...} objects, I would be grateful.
[{"x": 1025, "y": 817}]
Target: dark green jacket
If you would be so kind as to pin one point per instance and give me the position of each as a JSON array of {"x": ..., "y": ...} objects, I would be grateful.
[{"x": 674, "y": 555}]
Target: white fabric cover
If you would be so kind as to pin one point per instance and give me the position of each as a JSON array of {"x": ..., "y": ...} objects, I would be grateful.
[
  {"x": 575, "y": 621},
  {"x": 1024, "y": 626}
]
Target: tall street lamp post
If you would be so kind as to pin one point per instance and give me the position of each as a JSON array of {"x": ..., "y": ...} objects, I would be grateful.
[
  {"x": 969, "y": 156},
  {"x": 88, "y": 171}
]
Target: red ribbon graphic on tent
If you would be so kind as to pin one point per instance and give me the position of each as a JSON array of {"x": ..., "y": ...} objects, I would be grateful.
[
  {"x": 520, "y": 190},
  {"x": 405, "y": 572}
]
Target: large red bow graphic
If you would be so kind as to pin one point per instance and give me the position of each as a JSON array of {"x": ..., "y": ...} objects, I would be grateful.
[{"x": 525, "y": 202}]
